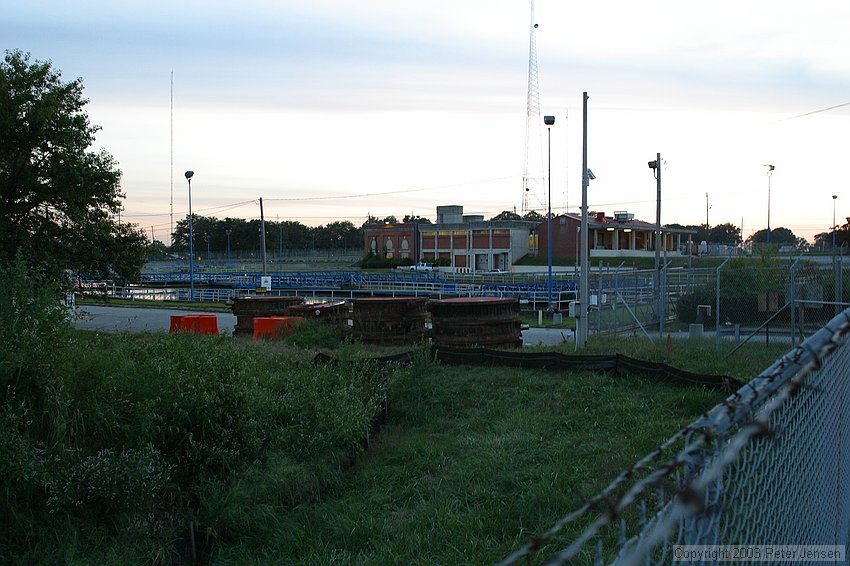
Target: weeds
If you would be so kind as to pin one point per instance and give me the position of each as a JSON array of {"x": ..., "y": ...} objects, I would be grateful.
[{"x": 123, "y": 435}]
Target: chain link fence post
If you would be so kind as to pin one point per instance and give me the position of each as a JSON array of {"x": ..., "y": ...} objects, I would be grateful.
[{"x": 717, "y": 306}]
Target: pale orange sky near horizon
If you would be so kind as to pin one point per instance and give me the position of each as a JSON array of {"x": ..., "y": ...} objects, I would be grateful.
[{"x": 332, "y": 111}]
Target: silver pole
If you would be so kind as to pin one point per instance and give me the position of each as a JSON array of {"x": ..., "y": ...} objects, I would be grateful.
[
  {"x": 658, "y": 242},
  {"x": 551, "y": 308},
  {"x": 263, "y": 236},
  {"x": 584, "y": 291}
]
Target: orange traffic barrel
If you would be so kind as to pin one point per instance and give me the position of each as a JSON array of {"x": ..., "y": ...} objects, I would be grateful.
[
  {"x": 275, "y": 326},
  {"x": 194, "y": 323},
  {"x": 247, "y": 308}
]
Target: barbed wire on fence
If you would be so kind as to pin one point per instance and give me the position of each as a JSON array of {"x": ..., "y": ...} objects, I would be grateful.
[{"x": 729, "y": 429}]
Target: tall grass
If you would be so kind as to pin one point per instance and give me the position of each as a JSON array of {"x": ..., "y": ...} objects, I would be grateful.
[
  {"x": 110, "y": 446},
  {"x": 471, "y": 464},
  {"x": 119, "y": 438}
]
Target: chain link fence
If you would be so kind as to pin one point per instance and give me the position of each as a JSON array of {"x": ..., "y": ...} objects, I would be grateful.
[
  {"x": 641, "y": 301},
  {"x": 740, "y": 301},
  {"x": 768, "y": 466}
]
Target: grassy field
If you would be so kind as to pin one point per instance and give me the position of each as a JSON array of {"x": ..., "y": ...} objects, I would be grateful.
[
  {"x": 119, "y": 448},
  {"x": 471, "y": 463}
]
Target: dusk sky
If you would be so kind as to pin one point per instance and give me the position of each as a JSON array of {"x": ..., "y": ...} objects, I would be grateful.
[{"x": 333, "y": 110}]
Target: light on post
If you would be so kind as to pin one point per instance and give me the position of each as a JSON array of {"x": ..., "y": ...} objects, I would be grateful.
[
  {"x": 550, "y": 121},
  {"x": 655, "y": 165},
  {"x": 770, "y": 169},
  {"x": 189, "y": 175},
  {"x": 834, "y": 198}
]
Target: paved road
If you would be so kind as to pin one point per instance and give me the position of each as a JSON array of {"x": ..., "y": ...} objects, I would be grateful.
[{"x": 129, "y": 319}]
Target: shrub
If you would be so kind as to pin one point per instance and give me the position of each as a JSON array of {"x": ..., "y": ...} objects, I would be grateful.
[
  {"x": 119, "y": 433},
  {"x": 312, "y": 333},
  {"x": 372, "y": 261}
]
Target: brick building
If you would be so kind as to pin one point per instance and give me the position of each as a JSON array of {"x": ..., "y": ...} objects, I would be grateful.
[
  {"x": 467, "y": 242},
  {"x": 611, "y": 236}
]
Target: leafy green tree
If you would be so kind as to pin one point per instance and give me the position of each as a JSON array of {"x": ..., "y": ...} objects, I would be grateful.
[
  {"x": 726, "y": 233},
  {"x": 58, "y": 198},
  {"x": 533, "y": 216},
  {"x": 701, "y": 234},
  {"x": 415, "y": 218},
  {"x": 823, "y": 241},
  {"x": 506, "y": 215},
  {"x": 780, "y": 235}
]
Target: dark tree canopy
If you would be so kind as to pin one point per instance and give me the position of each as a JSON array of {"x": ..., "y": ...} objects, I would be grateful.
[
  {"x": 841, "y": 237},
  {"x": 779, "y": 236},
  {"x": 415, "y": 218},
  {"x": 701, "y": 234},
  {"x": 58, "y": 199},
  {"x": 507, "y": 215},
  {"x": 239, "y": 234},
  {"x": 727, "y": 233}
]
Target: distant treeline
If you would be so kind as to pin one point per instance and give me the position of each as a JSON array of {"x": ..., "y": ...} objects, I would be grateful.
[{"x": 243, "y": 235}]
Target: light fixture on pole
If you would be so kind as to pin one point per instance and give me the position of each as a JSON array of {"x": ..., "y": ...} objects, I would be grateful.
[
  {"x": 549, "y": 121},
  {"x": 834, "y": 198},
  {"x": 189, "y": 175},
  {"x": 770, "y": 169},
  {"x": 656, "y": 171}
]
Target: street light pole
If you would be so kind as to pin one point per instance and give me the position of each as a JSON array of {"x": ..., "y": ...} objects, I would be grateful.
[
  {"x": 834, "y": 197},
  {"x": 228, "y": 244},
  {"x": 263, "y": 236},
  {"x": 656, "y": 170},
  {"x": 584, "y": 285},
  {"x": 770, "y": 169},
  {"x": 549, "y": 121},
  {"x": 189, "y": 175}
]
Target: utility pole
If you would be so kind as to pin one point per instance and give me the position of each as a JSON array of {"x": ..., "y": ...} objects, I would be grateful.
[
  {"x": 657, "y": 212},
  {"x": 263, "y": 236},
  {"x": 770, "y": 169},
  {"x": 584, "y": 284},
  {"x": 706, "y": 211},
  {"x": 656, "y": 170},
  {"x": 280, "y": 228}
]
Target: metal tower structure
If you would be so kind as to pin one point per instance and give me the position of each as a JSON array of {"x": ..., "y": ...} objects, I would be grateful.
[{"x": 532, "y": 178}]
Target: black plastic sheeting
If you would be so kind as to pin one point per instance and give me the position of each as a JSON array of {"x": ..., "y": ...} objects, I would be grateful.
[{"x": 617, "y": 364}]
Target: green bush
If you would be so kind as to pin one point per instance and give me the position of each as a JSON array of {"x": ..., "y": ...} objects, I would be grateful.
[
  {"x": 741, "y": 284},
  {"x": 312, "y": 333},
  {"x": 372, "y": 261},
  {"x": 123, "y": 434}
]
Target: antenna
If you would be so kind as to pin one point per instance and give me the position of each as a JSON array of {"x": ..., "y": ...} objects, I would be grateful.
[
  {"x": 532, "y": 178},
  {"x": 171, "y": 173}
]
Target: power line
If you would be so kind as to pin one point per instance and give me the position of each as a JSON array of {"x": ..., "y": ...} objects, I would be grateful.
[
  {"x": 400, "y": 191},
  {"x": 817, "y": 111}
]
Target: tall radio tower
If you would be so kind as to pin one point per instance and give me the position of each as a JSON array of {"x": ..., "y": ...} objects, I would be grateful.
[{"x": 532, "y": 178}]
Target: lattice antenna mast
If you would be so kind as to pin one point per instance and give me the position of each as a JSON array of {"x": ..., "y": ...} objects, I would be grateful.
[{"x": 532, "y": 178}]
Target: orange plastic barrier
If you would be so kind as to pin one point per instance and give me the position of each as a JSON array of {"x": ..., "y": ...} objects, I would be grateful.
[
  {"x": 274, "y": 326},
  {"x": 194, "y": 323}
]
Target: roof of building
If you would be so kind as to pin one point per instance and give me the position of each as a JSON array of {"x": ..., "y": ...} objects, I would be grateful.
[{"x": 609, "y": 221}]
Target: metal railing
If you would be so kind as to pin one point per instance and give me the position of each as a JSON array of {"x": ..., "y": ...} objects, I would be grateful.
[{"x": 768, "y": 466}]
